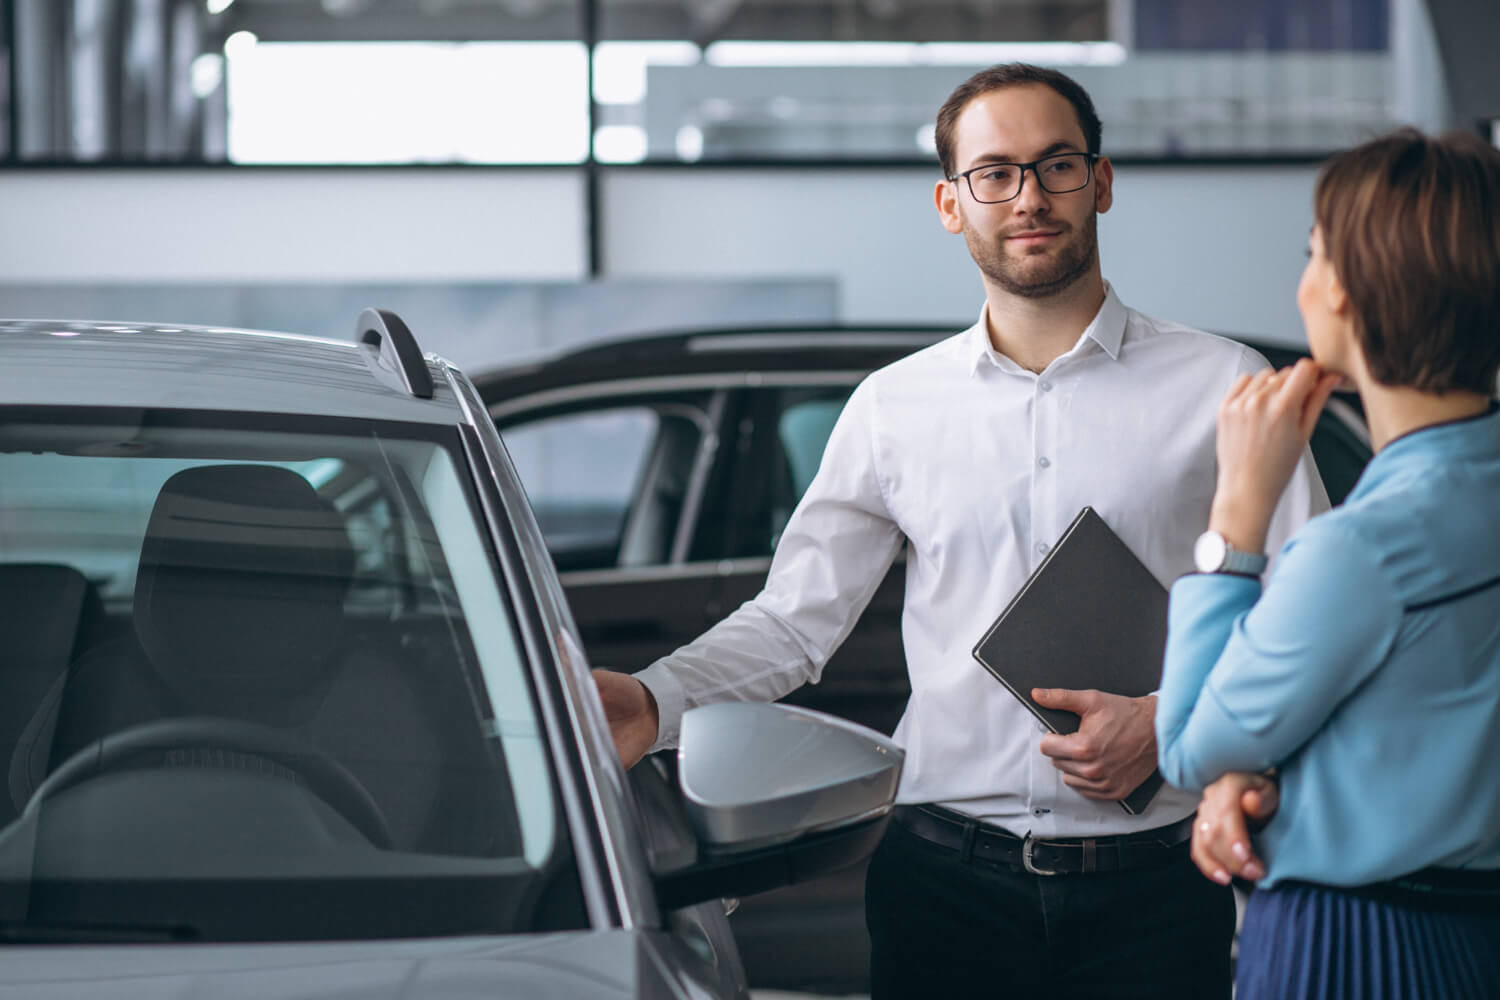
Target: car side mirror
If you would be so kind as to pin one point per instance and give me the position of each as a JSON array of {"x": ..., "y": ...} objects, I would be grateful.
[{"x": 777, "y": 794}]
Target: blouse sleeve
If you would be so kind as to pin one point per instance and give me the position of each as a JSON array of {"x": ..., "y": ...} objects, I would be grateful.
[{"x": 1250, "y": 676}]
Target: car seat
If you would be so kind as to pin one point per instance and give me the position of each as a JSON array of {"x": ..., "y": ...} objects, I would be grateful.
[{"x": 239, "y": 612}]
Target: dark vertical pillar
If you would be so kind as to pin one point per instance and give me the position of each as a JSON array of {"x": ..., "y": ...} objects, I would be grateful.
[
  {"x": 590, "y": 32},
  {"x": 92, "y": 53},
  {"x": 145, "y": 80},
  {"x": 9, "y": 133},
  {"x": 184, "y": 111},
  {"x": 40, "y": 64}
]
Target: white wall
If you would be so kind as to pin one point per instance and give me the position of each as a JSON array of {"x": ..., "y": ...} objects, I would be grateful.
[
  {"x": 1218, "y": 247},
  {"x": 235, "y": 225}
]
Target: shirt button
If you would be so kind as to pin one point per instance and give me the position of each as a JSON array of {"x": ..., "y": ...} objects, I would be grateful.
[
  {"x": 1046, "y": 386},
  {"x": 1042, "y": 547},
  {"x": 1044, "y": 462}
]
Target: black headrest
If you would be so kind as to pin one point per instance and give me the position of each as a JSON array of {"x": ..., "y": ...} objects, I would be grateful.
[{"x": 240, "y": 590}]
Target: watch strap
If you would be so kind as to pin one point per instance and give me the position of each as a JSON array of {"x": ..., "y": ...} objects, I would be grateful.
[{"x": 1244, "y": 563}]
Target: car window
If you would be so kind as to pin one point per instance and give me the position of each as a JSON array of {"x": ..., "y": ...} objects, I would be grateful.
[
  {"x": 803, "y": 431},
  {"x": 804, "y": 418},
  {"x": 261, "y": 682},
  {"x": 580, "y": 472},
  {"x": 609, "y": 485}
]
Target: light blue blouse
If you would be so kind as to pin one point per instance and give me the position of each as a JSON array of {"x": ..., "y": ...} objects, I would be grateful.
[{"x": 1368, "y": 671}]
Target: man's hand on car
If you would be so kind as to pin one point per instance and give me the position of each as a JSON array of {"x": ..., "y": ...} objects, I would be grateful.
[
  {"x": 631, "y": 711},
  {"x": 1232, "y": 807},
  {"x": 1114, "y": 749}
]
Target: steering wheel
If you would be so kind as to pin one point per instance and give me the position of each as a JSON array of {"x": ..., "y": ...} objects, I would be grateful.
[{"x": 325, "y": 777}]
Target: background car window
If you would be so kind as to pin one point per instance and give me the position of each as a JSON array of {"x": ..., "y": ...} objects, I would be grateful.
[
  {"x": 580, "y": 471},
  {"x": 609, "y": 485},
  {"x": 779, "y": 460},
  {"x": 802, "y": 433}
]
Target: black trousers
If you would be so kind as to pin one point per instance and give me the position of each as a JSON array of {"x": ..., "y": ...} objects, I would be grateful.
[{"x": 947, "y": 929}]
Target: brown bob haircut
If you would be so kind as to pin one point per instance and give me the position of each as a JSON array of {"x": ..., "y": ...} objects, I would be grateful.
[
  {"x": 1411, "y": 224},
  {"x": 1012, "y": 75}
]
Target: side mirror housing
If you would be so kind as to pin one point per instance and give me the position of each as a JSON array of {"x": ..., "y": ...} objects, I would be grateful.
[{"x": 777, "y": 794}]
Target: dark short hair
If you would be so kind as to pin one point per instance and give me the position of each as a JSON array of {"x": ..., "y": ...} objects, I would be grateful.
[
  {"x": 1012, "y": 75},
  {"x": 1411, "y": 224}
]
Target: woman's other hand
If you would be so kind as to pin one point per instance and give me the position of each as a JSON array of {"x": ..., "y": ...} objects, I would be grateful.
[{"x": 1231, "y": 807}]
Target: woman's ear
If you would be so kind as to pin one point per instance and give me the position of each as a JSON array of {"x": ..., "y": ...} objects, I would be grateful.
[{"x": 1335, "y": 299}]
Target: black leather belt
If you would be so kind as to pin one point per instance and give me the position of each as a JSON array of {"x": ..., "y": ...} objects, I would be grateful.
[{"x": 973, "y": 839}]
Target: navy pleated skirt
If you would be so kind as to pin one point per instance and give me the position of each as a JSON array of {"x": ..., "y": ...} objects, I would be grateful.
[{"x": 1307, "y": 941}]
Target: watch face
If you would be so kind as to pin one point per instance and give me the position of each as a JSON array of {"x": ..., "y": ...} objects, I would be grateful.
[{"x": 1209, "y": 552}]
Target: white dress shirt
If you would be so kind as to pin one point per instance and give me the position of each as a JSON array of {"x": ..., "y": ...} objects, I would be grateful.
[{"x": 978, "y": 465}]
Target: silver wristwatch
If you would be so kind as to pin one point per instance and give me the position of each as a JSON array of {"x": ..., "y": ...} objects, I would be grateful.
[{"x": 1212, "y": 553}]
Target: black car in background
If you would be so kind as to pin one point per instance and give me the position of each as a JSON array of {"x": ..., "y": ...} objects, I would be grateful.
[{"x": 662, "y": 470}]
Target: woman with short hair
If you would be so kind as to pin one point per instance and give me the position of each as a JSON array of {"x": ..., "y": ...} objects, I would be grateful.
[{"x": 1366, "y": 671}]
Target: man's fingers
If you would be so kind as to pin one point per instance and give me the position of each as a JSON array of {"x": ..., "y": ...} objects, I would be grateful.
[
  {"x": 1101, "y": 793},
  {"x": 1065, "y": 699},
  {"x": 1065, "y": 748}
]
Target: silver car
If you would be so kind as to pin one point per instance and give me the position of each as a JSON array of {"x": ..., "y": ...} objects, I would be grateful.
[{"x": 291, "y": 702}]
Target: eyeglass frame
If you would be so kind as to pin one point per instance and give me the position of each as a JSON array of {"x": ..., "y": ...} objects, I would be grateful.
[{"x": 1089, "y": 160}]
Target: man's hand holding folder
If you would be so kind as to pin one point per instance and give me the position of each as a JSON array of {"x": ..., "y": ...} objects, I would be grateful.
[
  {"x": 1114, "y": 749},
  {"x": 1091, "y": 619}
]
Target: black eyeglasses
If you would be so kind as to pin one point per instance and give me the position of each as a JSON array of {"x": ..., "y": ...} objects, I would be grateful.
[{"x": 995, "y": 182}]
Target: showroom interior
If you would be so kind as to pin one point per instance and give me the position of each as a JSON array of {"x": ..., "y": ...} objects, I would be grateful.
[
  {"x": 520, "y": 178},
  {"x": 281, "y": 164}
]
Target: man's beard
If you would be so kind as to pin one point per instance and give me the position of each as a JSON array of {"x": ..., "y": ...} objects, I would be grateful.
[{"x": 1022, "y": 275}]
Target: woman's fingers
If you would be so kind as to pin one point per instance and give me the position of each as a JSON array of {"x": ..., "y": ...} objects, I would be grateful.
[{"x": 1317, "y": 399}]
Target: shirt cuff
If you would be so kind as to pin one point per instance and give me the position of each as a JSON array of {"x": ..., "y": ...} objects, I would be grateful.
[{"x": 671, "y": 703}]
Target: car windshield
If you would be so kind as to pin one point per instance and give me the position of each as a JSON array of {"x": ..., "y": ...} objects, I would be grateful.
[{"x": 259, "y": 681}]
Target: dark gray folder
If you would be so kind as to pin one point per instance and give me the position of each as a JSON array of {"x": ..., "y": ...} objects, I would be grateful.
[{"x": 1090, "y": 617}]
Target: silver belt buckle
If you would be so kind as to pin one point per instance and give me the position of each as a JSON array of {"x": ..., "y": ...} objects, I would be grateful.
[{"x": 1027, "y": 862}]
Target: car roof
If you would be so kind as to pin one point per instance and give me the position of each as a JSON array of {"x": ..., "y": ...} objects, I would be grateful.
[
  {"x": 148, "y": 365},
  {"x": 788, "y": 348},
  {"x": 748, "y": 349}
]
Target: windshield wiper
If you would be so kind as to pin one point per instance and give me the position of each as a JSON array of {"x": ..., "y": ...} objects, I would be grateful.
[{"x": 34, "y": 932}]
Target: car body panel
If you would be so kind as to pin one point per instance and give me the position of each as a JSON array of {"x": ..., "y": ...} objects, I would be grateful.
[
  {"x": 203, "y": 368},
  {"x": 578, "y": 966}
]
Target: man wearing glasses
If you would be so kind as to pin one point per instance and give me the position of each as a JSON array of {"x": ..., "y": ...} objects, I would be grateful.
[{"x": 1010, "y": 868}]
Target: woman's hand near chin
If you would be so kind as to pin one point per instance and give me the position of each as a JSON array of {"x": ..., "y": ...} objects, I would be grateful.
[{"x": 1265, "y": 422}]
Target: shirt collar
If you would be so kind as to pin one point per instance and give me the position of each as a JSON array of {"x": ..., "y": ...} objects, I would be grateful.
[{"x": 1107, "y": 329}]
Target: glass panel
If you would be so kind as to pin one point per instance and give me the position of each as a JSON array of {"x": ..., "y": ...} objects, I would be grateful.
[
  {"x": 407, "y": 102},
  {"x": 791, "y": 429},
  {"x": 319, "y": 717},
  {"x": 7, "y": 18},
  {"x": 581, "y": 472},
  {"x": 767, "y": 79},
  {"x": 302, "y": 81}
]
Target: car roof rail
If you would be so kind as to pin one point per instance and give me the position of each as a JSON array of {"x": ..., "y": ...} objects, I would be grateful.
[{"x": 391, "y": 352}]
